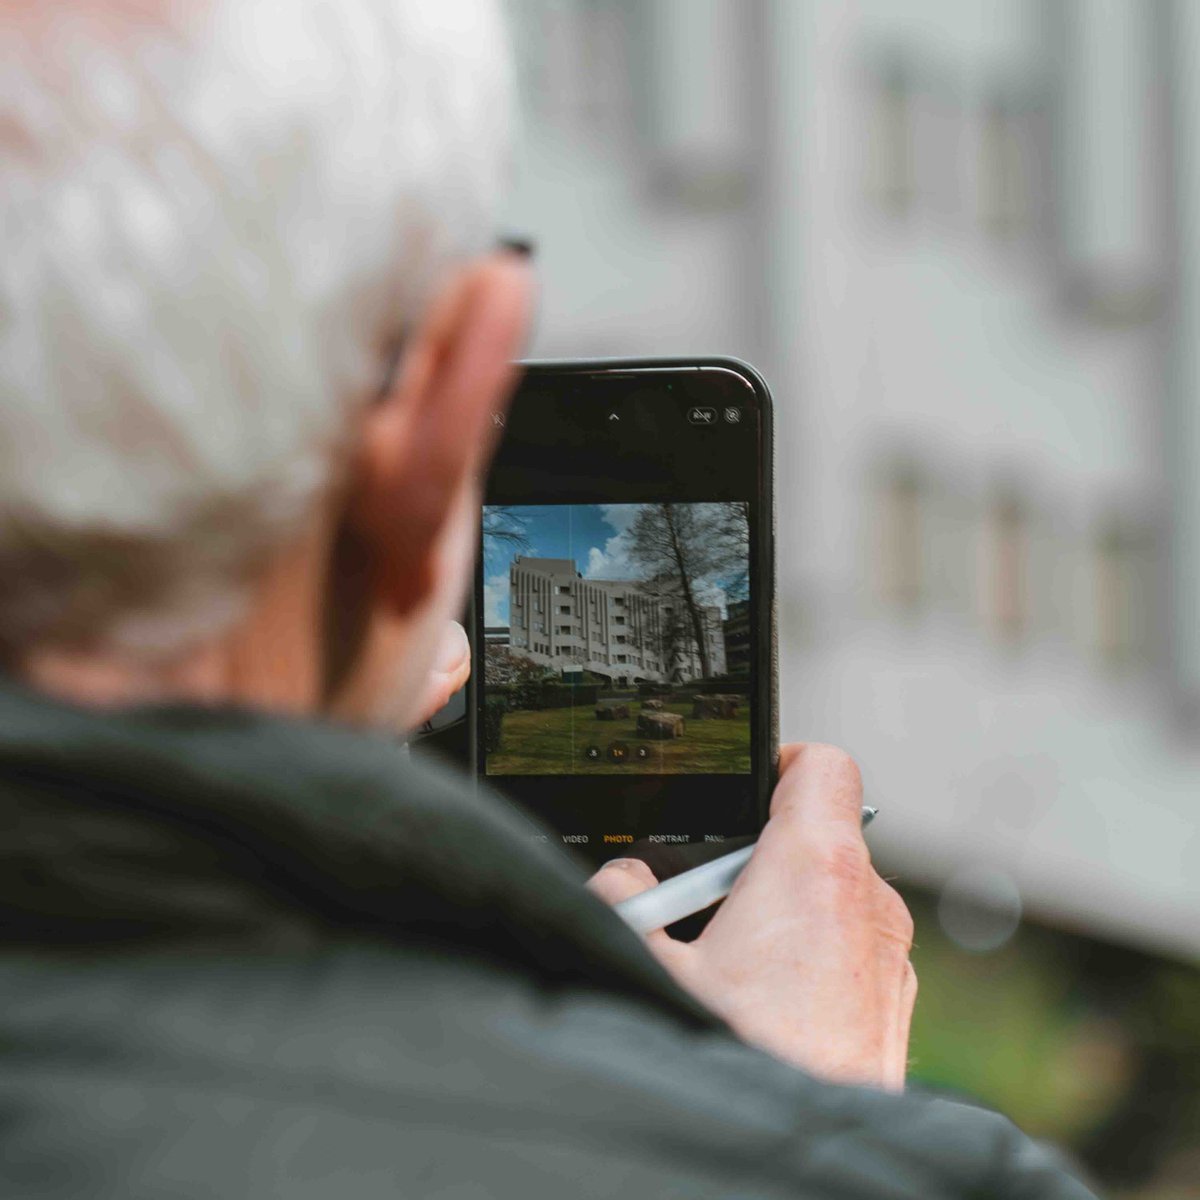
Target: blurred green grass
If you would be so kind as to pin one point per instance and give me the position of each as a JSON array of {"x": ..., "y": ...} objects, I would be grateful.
[{"x": 1092, "y": 1046}]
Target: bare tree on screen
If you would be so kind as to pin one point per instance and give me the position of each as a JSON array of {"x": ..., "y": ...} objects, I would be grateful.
[
  {"x": 503, "y": 525},
  {"x": 679, "y": 545}
]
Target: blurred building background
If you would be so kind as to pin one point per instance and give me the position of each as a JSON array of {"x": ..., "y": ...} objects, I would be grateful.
[{"x": 962, "y": 241}]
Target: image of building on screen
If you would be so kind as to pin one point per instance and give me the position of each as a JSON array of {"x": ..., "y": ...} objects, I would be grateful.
[
  {"x": 617, "y": 638},
  {"x": 622, "y": 630}
]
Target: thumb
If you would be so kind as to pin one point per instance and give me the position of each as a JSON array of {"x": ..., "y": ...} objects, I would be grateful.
[
  {"x": 450, "y": 672},
  {"x": 621, "y": 878}
]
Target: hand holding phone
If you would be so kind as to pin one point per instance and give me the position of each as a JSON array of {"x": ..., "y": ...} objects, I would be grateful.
[{"x": 808, "y": 957}]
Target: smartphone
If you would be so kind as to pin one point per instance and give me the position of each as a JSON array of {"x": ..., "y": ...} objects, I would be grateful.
[{"x": 624, "y": 610}]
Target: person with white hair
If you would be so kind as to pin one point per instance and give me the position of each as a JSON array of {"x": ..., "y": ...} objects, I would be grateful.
[{"x": 253, "y": 332}]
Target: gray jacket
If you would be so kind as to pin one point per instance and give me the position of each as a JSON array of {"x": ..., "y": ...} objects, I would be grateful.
[{"x": 247, "y": 957}]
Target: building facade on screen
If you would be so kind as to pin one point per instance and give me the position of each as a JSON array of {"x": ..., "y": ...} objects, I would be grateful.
[{"x": 625, "y": 631}]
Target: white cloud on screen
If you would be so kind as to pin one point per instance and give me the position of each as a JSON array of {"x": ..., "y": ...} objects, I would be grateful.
[
  {"x": 613, "y": 561},
  {"x": 619, "y": 516},
  {"x": 610, "y": 563},
  {"x": 495, "y": 599}
]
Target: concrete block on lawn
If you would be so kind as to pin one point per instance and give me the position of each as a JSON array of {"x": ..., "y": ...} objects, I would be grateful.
[
  {"x": 721, "y": 707},
  {"x": 612, "y": 710},
  {"x": 660, "y": 726}
]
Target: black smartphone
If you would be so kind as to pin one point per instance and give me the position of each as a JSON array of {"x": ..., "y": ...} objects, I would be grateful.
[{"x": 623, "y": 618}]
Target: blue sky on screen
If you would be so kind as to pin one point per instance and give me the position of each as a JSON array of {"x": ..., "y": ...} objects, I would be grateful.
[{"x": 592, "y": 535}]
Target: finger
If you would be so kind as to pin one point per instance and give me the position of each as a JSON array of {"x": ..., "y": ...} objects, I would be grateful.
[
  {"x": 810, "y": 862},
  {"x": 451, "y": 670},
  {"x": 903, "y": 996},
  {"x": 908, "y": 1001},
  {"x": 621, "y": 878},
  {"x": 820, "y": 785},
  {"x": 894, "y": 921},
  {"x": 894, "y": 925},
  {"x": 454, "y": 655},
  {"x": 788, "y": 754}
]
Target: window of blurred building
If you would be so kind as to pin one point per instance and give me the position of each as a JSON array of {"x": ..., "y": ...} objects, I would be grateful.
[
  {"x": 1009, "y": 151},
  {"x": 890, "y": 181},
  {"x": 899, "y": 552},
  {"x": 1124, "y": 553},
  {"x": 1004, "y": 566}
]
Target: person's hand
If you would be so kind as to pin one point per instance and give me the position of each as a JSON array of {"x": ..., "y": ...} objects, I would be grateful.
[
  {"x": 808, "y": 956},
  {"x": 451, "y": 670}
]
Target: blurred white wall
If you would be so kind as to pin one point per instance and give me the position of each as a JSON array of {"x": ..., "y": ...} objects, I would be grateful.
[{"x": 949, "y": 232}]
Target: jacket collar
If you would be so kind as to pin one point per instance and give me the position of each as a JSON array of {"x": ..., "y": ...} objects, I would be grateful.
[{"x": 197, "y": 825}]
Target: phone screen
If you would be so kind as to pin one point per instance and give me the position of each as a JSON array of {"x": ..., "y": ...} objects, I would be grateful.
[{"x": 623, "y": 604}]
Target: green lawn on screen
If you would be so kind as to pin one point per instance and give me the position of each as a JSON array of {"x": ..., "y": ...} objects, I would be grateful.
[{"x": 554, "y": 742}]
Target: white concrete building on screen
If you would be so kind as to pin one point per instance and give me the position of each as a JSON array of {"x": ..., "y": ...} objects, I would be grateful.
[{"x": 619, "y": 629}]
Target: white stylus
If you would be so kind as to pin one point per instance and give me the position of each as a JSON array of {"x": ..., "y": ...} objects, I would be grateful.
[{"x": 693, "y": 891}]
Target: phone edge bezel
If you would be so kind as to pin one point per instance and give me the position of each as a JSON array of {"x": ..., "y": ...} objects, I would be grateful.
[{"x": 766, "y": 610}]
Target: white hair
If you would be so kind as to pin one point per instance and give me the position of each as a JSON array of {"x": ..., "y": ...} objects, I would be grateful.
[{"x": 214, "y": 217}]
